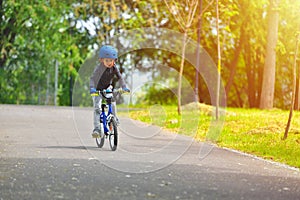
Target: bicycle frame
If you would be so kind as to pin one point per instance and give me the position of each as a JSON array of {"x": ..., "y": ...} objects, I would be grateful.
[
  {"x": 104, "y": 118},
  {"x": 107, "y": 118}
]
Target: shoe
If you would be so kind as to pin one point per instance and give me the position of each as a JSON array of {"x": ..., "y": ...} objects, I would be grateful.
[{"x": 96, "y": 133}]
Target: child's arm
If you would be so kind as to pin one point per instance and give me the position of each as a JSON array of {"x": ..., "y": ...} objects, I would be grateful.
[
  {"x": 93, "y": 77},
  {"x": 96, "y": 75},
  {"x": 121, "y": 80}
]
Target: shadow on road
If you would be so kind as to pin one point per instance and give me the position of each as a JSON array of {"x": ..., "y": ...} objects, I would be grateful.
[{"x": 68, "y": 147}]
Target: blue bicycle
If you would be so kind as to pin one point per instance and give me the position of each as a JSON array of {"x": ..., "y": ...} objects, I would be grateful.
[{"x": 108, "y": 123}]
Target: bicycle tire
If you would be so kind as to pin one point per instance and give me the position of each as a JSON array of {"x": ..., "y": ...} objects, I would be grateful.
[
  {"x": 113, "y": 134},
  {"x": 100, "y": 141}
]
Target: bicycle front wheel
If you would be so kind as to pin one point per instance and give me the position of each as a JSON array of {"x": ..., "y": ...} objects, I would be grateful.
[
  {"x": 113, "y": 134},
  {"x": 100, "y": 140}
]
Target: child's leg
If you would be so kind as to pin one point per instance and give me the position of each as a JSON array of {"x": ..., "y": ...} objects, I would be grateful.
[
  {"x": 114, "y": 108},
  {"x": 97, "y": 109}
]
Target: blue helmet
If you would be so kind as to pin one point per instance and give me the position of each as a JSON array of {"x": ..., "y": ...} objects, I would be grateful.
[{"x": 108, "y": 51}]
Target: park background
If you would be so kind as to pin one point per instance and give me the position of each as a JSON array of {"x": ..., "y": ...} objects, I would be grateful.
[
  {"x": 253, "y": 44},
  {"x": 44, "y": 44}
]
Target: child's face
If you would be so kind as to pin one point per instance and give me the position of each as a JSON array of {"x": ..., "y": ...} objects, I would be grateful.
[{"x": 108, "y": 62}]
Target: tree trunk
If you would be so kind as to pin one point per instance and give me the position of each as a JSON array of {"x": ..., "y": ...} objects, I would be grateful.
[
  {"x": 239, "y": 103},
  {"x": 47, "y": 89},
  {"x": 251, "y": 86},
  {"x": 56, "y": 83},
  {"x": 267, "y": 93},
  {"x": 297, "y": 100},
  {"x": 219, "y": 63},
  {"x": 293, "y": 92},
  {"x": 260, "y": 69},
  {"x": 254, "y": 71},
  {"x": 198, "y": 54},
  {"x": 235, "y": 60},
  {"x": 181, "y": 74}
]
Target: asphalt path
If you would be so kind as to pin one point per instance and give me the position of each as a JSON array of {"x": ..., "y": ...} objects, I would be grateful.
[{"x": 48, "y": 153}]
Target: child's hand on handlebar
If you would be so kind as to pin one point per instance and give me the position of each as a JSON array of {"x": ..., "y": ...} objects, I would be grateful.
[
  {"x": 93, "y": 91},
  {"x": 126, "y": 90}
]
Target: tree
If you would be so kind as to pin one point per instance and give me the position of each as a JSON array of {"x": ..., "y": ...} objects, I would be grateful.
[
  {"x": 40, "y": 36},
  {"x": 219, "y": 60},
  {"x": 293, "y": 88},
  {"x": 185, "y": 21},
  {"x": 268, "y": 84},
  {"x": 247, "y": 30},
  {"x": 198, "y": 52},
  {"x": 34, "y": 35},
  {"x": 289, "y": 24},
  {"x": 10, "y": 26}
]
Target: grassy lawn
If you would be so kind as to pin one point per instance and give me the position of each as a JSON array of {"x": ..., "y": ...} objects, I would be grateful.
[{"x": 258, "y": 132}]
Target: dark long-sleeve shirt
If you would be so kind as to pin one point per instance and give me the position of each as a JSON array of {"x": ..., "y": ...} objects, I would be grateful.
[{"x": 102, "y": 77}]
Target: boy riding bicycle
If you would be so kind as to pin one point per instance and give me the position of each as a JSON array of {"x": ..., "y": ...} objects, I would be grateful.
[{"x": 101, "y": 79}]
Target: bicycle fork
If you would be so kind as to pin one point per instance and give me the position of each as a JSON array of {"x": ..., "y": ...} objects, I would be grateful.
[{"x": 104, "y": 119}]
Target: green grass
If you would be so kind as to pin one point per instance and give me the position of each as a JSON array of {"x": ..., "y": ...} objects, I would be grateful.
[{"x": 258, "y": 132}]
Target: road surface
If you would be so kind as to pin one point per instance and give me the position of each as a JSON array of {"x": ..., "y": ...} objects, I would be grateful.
[{"x": 48, "y": 153}]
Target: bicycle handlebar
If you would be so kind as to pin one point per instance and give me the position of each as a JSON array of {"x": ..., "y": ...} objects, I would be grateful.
[{"x": 108, "y": 91}]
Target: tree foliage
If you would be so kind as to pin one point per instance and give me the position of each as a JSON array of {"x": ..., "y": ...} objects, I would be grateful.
[{"x": 37, "y": 34}]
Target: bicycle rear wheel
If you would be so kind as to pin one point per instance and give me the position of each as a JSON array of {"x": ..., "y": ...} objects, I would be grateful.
[{"x": 113, "y": 134}]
